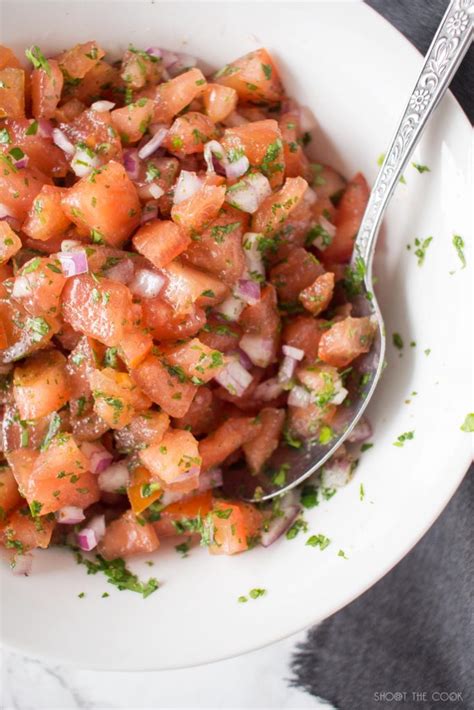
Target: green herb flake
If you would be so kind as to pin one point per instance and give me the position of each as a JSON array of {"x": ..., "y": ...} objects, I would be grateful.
[
  {"x": 458, "y": 243},
  {"x": 242, "y": 599},
  {"x": 219, "y": 232},
  {"x": 309, "y": 496},
  {"x": 81, "y": 595},
  {"x": 37, "y": 58},
  {"x": 35, "y": 508},
  {"x": 421, "y": 248},
  {"x": 298, "y": 526},
  {"x": 407, "y": 436},
  {"x": 118, "y": 574},
  {"x": 257, "y": 592},
  {"x": 468, "y": 424},
  {"x": 183, "y": 548},
  {"x": 361, "y": 492},
  {"x": 53, "y": 428},
  {"x": 421, "y": 168},
  {"x": 279, "y": 477},
  {"x": 267, "y": 70},
  {"x": 4, "y": 137},
  {"x": 342, "y": 554},
  {"x": 397, "y": 341},
  {"x": 366, "y": 447},
  {"x": 319, "y": 540}
]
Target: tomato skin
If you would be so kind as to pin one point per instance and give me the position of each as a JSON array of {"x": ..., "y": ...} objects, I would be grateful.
[
  {"x": 12, "y": 92},
  {"x": 259, "y": 449},
  {"x": 346, "y": 340},
  {"x": 125, "y": 537},
  {"x": 106, "y": 202},
  {"x": 349, "y": 215},
  {"x": 233, "y": 532},
  {"x": 254, "y": 76},
  {"x": 276, "y": 208},
  {"x": 317, "y": 297},
  {"x": 163, "y": 386},
  {"x": 98, "y": 310},
  {"x": 45, "y": 219},
  {"x": 219, "y": 101},
  {"x": 160, "y": 241},
  {"x": 165, "y": 324},
  {"x": 40, "y": 385},
  {"x": 234, "y": 432},
  {"x": 46, "y": 87}
]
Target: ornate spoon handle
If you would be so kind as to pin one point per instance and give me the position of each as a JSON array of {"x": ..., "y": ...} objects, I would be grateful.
[{"x": 447, "y": 49}]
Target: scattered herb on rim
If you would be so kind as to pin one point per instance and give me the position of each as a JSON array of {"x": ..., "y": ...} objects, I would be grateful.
[
  {"x": 319, "y": 540},
  {"x": 407, "y": 436},
  {"x": 468, "y": 424}
]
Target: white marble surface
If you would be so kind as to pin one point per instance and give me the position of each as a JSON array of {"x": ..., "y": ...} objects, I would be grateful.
[{"x": 258, "y": 680}]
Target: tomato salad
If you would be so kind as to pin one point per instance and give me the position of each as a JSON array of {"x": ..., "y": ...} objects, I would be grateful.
[{"x": 171, "y": 297}]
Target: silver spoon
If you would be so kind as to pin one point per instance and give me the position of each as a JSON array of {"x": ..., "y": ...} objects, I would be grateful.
[{"x": 447, "y": 49}]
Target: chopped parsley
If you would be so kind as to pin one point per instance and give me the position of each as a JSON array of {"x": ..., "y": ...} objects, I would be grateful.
[
  {"x": 219, "y": 233},
  {"x": 279, "y": 476},
  {"x": 118, "y": 574},
  {"x": 468, "y": 424},
  {"x": 319, "y": 540},
  {"x": 397, "y": 341},
  {"x": 342, "y": 554},
  {"x": 267, "y": 70},
  {"x": 366, "y": 447},
  {"x": 242, "y": 599},
  {"x": 361, "y": 492},
  {"x": 458, "y": 243},
  {"x": 407, "y": 436},
  {"x": 37, "y": 58},
  {"x": 291, "y": 440},
  {"x": 257, "y": 592},
  {"x": 38, "y": 328},
  {"x": 268, "y": 165},
  {"x": 421, "y": 247},
  {"x": 298, "y": 526},
  {"x": 35, "y": 508},
  {"x": 53, "y": 429},
  {"x": 309, "y": 496},
  {"x": 421, "y": 168},
  {"x": 183, "y": 548}
]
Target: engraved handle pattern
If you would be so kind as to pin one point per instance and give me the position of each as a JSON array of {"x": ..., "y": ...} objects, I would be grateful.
[{"x": 447, "y": 49}]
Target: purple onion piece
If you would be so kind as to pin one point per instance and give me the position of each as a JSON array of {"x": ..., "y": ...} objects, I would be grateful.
[{"x": 280, "y": 525}]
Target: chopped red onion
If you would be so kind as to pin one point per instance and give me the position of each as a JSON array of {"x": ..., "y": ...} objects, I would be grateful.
[
  {"x": 45, "y": 128},
  {"x": 231, "y": 308},
  {"x": 84, "y": 162},
  {"x": 307, "y": 120},
  {"x": 14, "y": 223},
  {"x": 86, "y": 539},
  {"x": 237, "y": 168},
  {"x": 124, "y": 271},
  {"x": 287, "y": 369},
  {"x": 155, "y": 52},
  {"x": 168, "y": 57},
  {"x": 279, "y": 525},
  {"x": 149, "y": 211},
  {"x": 59, "y": 139},
  {"x": 248, "y": 194},
  {"x": 268, "y": 390},
  {"x": 212, "y": 478},
  {"x": 70, "y": 515},
  {"x": 234, "y": 378},
  {"x": 156, "y": 191},
  {"x": 22, "y": 162},
  {"x": 131, "y": 163},
  {"x": 361, "y": 432},
  {"x": 214, "y": 149},
  {"x": 337, "y": 472},
  {"x": 295, "y": 353},
  {"x": 186, "y": 186},
  {"x": 114, "y": 477},
  {"x": 4, "y": 211},
  {"x": 147, "y": 283},
  {"x": 242, "y": 357},
  {"x": 253, "y": 255},
  {"x": 97, "y": 525},
  {"x": 21, "y": 287},
  {"x": 68, "y": 245},
  {"x": 310, "y": 196},
  {"x": 22, "y": 564},
  {"x": 102, "y": 106},
  {"x": 153, "y": 144},
  {"x": 248, "y": 291},
  {"x": 259, "y": 349},
  {"x": 299, "y": 397},
  {"x": 73, "y": 263},
  {"x": 234, "y": 119},
  {"x": 182, "y": 62},
  {"x": 99, "y": 458},
  {"x": 340, "y": 392}
]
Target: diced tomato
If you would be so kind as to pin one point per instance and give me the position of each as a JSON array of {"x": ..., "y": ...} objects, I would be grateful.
[
  {"x": 160, "y": 241},
  {"x": 12, "y": 93},
  {"x": 349, "y": 215},
  {"x": 306, "y": 422},
  {"x": 296, "y": 162},
  {"x": 19, "y": 188},
  {"x": 275, "y": 209},
  {"x": 77, "y": 61},
  {"x": 46, "y": 87},
  {"x": 202, "y": 415},
  {"x": 135, "y": 347},
  {"x": 327, "y": 183},
  {"x": 176, "y": 94},
  {"x": 174, "y": 460},
  {"x": 259, "y": 449},
  {"x": 187, "y": 286},
  {"x": 40, "y": 283},
  {"x": 261, "y": 142},
  {"x": 94, "y": 130},
  {"x": 317, "y": 297},
  {"x": 229, "y": 437},
  {"x": 144, "y": 429},
  {"x": 85, "y": 423},
  {"x": 84, "y": 358},
  {"x": 100, "y": 82},
  {"x": 182, "y": 511},
  {"x": 298, "y": 271},
  {"x": 304, "y": 332},
  {"x": 165, "y": 324},
  {"x": 61, "y": 455},
  {"x": 262, "y": 318},
  {"x": 196, "y": 360},
  {"x": 161, "y": 172},
  {"x": 346, "y": 340},
  {"x": 219, "y": 101},
  {"x": 166, "y": 387},
  {"x": 23, "y": 333},
  {"x": 68, "y": 112},
  {"x": 105, "y": 204},
  {"x": 220, "y": 336},
  {"x": 195, "y": 213},
  {"x": 131, "y": 122},
  {"x": 139, "y": 68},
  {"x": 41, "y": 151},
  {"x": 189, "y": 133},
  {"x": 22, "y": 533},
  {"x": 40, "y": 385},
  {"x": 254, "y": 76},
  {"x": 10, "y": 496},
  {"x": 97, "y": 309},
  {"x": 218, "y": 248},
  {"x": 235, "y": 526},
  {"x": 127, "y": 536},
  {"x": 117, "y": 397},
  {"x": 142, "y": 491},
  {"x": 16, "y": 432},
  {"x": 46, "y": 220},
  {"x": 10, "y": 242},
  {"x": 8, "y": 58}
]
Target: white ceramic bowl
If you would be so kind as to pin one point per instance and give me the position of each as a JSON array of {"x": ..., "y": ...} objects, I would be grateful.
[{"x": 354, "y": 71}]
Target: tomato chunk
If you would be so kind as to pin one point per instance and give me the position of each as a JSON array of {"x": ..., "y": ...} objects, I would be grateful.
[
  {"x": 46, "y": 87},
  {"x": 196, "y": 360},
  {"x": 46, "y": 219},
  {"x": 117, "y": 397},
  {"x": 254, "y": 76},
  {"x": 235, "y": 526},
  {"x": 348, "y": 218},
  {"x": 346, "y": 340},
  {"x": 230, "y": 436},
  {"x": 261, "y": 142},
  {"x": 164, "y": 385},
  {"x": 317, "y": 297},
  {"x": 127, "y": 536},
  {"x": 22, "y": 533},
  {"x": 174, "y": 95},
  {"x": 133, "y": 120},
  {"x": 276, "y": 208},
  {"x": 160, "y": 241},
  {"x": 12, "y": 92},
  {"x": 189, "y": 133},
  {"x": 195, "y": 213},
  {"x": 40, "y": 385},
  {"x": 10, "y": 496},
  {"x": 10, "y": 242},
  {"x": 219, "y": 101},
  {"x": 80, "y": 59},
  {"x": 175, "y": 460},
  {"x": 259, "y": 449}
]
